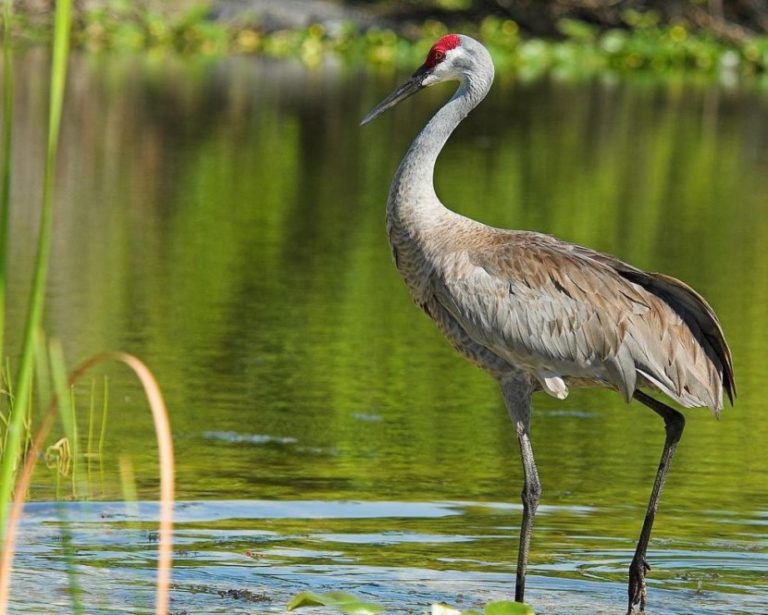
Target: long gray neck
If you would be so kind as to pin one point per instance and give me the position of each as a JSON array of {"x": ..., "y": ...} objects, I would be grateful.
[{"x": 412, "y": 196}]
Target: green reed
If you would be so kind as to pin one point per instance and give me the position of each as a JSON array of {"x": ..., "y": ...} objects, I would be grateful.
[{"x": 23, "y": 382}]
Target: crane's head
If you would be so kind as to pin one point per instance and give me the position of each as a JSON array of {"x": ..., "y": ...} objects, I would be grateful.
[{"x": 452, "y": 57}]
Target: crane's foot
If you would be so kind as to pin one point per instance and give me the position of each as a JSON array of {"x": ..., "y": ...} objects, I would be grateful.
[{"x": 637, "y": 589}]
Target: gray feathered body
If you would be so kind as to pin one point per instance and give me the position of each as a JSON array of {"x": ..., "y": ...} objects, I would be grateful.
[{"x": 528, "y": 306}]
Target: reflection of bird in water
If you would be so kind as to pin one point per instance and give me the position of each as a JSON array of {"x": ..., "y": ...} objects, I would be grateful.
[{"x": 542, "y": 314}]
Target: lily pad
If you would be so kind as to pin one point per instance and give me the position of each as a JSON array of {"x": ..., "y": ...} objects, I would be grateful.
[
  {"x": 507, "y": 607},
  {"x": 503, "y": 607},
  {"x": 346, "y": 603}
]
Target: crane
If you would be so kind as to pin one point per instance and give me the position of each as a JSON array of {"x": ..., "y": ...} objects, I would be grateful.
[{"x": 541, "y": 314}]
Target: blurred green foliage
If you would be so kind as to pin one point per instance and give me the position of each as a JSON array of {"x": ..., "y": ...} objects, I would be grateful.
[{"x": 642, "y": 41}]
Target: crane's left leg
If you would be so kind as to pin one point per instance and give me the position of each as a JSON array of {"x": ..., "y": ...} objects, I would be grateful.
[
  {"x": 674, "y": 422},
  {"x": 517, "y": 397},
  {"x": 530, "y": 495}
]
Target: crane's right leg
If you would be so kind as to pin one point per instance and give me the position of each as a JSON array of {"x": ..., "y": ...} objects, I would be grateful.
[
  {"x": 674, "y": 423},
  {"x": 517, "y": 397}
]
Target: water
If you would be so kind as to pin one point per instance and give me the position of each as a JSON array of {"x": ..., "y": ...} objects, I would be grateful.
[{"x": 223, "y": 220}]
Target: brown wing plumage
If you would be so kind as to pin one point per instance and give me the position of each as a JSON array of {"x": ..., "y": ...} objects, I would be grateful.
[
  {"x": 692, "y": 308},
  {"x": 563, "y": 312}
]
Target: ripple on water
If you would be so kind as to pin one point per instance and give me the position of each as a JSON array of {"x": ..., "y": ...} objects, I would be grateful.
[{"x": 233, "y": 555}]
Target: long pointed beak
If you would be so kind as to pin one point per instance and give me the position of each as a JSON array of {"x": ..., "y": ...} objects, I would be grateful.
[{"x": 407, "y": 89}]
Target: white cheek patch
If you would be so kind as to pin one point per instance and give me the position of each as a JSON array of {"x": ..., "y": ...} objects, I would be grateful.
[
  {"x": 451, "y": 54},
  {"x": 445, "y": 70}
]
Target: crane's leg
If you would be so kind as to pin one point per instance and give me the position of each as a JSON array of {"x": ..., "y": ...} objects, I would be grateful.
[
  {"x": 674, "y": 422},
  {"x": 517, "y": 396},
  {"x": 531, "y": 493}
]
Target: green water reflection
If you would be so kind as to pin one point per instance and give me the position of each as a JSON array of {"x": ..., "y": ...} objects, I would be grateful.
[{"x": 223, "y": 220}]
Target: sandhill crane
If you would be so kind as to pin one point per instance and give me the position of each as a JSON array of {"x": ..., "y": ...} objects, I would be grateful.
[{"x": 538, "y": 313}]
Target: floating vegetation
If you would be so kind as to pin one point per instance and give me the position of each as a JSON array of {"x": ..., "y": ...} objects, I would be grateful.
[
  {"x": 347, "y": 603},
  {"x": 503, "y": 607}
]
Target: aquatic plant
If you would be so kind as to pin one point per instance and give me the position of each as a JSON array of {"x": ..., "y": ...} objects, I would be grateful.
[{"x": 165, "y": 448}]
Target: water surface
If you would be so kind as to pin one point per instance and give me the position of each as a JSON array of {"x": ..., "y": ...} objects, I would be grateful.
[{"x": 223, "y": 220}]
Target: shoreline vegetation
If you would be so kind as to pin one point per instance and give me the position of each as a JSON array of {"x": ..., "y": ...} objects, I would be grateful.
[
  {"x": 40, "y": 391},
  {"x": 573, "y": 37}
]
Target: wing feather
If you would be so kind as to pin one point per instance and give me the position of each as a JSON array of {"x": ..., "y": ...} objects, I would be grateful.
[{"x": 556, "y": 309}]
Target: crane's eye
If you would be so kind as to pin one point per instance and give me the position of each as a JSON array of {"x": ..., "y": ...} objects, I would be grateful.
[{"x": 435, "y": 56}]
